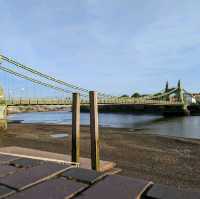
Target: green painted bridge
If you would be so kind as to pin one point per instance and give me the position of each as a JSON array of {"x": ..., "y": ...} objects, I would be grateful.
[
  {"x": 43, "y": 101},
  {"x": 169, "y": 97}
]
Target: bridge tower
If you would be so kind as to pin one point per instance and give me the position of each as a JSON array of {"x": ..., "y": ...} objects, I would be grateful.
[
  {"x": 167, "y": 90},
  {"x": 167, "y": 87},
  {"x": 3, "y": 110},
  {"x": 180, "y": 93},
  {"x": 180, "y": 97}
]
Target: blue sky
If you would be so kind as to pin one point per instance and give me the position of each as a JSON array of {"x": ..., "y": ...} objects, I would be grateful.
[{"x": 116, "y": 46}]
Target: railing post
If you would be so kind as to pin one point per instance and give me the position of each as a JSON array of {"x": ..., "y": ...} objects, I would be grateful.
[
  {"x": 94, "y": 131},
  {"x": 76, "y": 127}
]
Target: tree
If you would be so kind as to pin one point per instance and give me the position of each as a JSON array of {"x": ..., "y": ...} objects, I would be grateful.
[
  {"x": 157, "y": 94},
  {"x": 136, "y": 95},
  {"x": 125, "y": 95}
]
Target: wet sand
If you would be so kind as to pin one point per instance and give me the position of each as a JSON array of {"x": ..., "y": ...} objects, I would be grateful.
[{"x": 171, "y": 161}]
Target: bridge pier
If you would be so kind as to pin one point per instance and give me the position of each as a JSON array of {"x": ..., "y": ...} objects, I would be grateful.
[
  {"x": 3, "y": 111},
  {"x": 181, "y": 110}
]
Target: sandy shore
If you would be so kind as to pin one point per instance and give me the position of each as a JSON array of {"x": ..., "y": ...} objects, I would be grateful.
[{"x": 171, "y": 161}]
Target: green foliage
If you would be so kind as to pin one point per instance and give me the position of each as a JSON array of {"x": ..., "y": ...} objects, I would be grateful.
[
  {"x": 136, "y": 95},
  {"x": 124, "y": 95},
  {"x": 157, "y": 94}
]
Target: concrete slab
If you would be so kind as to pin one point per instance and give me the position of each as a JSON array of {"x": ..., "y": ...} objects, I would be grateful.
[
  {"x": 5, "y": 159},
  {"x": 84, "y": 162},
  {"x": 28, "y": 177},
  {"x": 5, "y": 191},
  {"x": 117, "y": 187},
  {"x": 164, "y": 192},
  {"x": 26, "y": 163},
  {"x": 51, "y": 189},
  {"x": 83, "y": 175}
]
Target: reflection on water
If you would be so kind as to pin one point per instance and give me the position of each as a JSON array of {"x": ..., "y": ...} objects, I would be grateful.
[{"x": 177, "y": 126}]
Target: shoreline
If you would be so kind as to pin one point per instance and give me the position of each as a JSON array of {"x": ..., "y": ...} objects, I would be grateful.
[
  {"x": 166, "y": 160},
  {"x": 128, "y": 130}
]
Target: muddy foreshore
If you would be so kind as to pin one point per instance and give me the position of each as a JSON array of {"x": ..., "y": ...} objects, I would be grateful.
[{"x": 171, "y": 161}]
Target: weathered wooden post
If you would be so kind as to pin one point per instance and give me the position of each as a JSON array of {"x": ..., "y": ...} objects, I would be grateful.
[
  {"x": 76, "y": 127},
  {"x": 3, "y": 111},
  {"x": 94, "y": 131}
]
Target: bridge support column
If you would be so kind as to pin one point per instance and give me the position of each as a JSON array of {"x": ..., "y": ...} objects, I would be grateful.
[
  {"x": 3, "y": 117},
  {"x": 186, "y": 110},
  {"x": 3, "y": 111},
  {"x": 180, "y": 94}
]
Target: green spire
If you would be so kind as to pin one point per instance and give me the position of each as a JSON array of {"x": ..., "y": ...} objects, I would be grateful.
[
  {"x": 167, "y": 87},
  {"x": 179, "y": 84},
  {"x": 180, "y": 94}
]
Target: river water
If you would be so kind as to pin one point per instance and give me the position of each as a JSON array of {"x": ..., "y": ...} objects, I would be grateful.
[{"x": 178, "y": 126}]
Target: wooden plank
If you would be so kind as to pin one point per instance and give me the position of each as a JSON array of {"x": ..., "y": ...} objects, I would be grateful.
[
  {"x": 26, "y": 163},
  {"x": 59, "y": 188},
  {"x": 165, "y": 192},
  {"x": 76, "y": 128},
  {"x": 94, "y": 131},
  {"x": 53, "y": 157},
  {"x": 6, "y": 170},
  {"x": 83, "y": 175},
  {"x": 5, "y": 191},
  {"x": 116, "y": 187},
  {"x": 5, "y": 159},
  {"x": 28, "y": 177}
]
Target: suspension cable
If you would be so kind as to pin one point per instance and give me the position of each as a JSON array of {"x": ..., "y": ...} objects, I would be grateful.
[
  {"x": 12, "y": 61},
  {"x": 164, "y": 94},
  {"x": 36, "y": 81}
]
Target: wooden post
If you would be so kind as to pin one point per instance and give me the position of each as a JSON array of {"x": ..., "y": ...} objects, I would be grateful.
[
  {"x": 76, "y": 127},
  {"x": 94, "y": 131}
]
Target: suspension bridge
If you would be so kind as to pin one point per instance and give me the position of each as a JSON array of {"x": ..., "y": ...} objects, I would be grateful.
[{"x": 174, "y": 100}]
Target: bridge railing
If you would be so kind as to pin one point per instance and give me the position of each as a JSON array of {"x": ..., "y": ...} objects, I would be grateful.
[
  {"x": 113, "y": 101},
  {"x": 20, "y": 101},
  {"x": 137, "y": 101}
]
